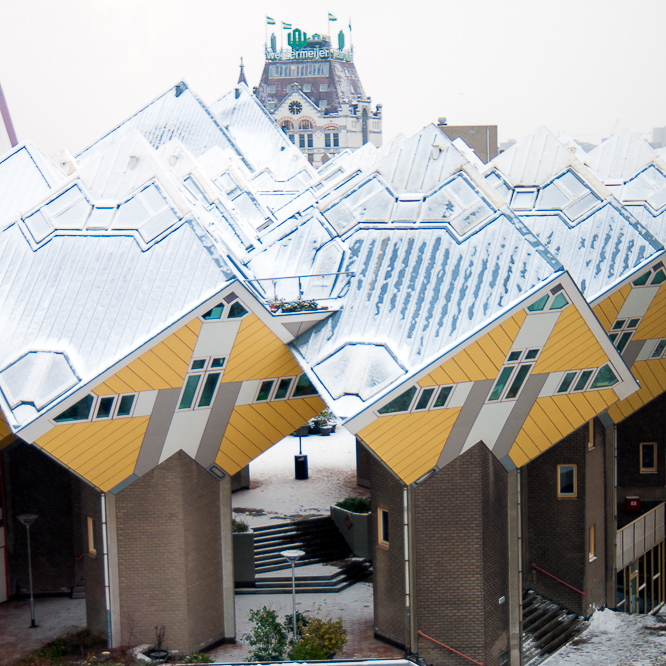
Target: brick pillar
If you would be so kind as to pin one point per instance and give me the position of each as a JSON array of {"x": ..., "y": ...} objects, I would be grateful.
[
  {"x": 171, "y": 557},
  {"x": 461, "y": 566}
]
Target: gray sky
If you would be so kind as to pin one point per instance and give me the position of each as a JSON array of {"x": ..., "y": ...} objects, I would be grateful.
[{"x": 71, "y": 70}]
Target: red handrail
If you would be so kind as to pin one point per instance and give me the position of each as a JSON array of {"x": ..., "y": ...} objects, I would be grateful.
[
  {"x": 534, "y": 566},
  {"x": 420, "y": 633}
]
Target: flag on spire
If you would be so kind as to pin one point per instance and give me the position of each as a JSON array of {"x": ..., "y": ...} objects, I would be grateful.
[
  {"x": 270, "y": 21},
  {"x": 331, "y": 17},
  {"x": 286, "y": 26}
]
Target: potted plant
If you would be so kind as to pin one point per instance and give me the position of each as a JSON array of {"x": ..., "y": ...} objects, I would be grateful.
[{"x": 157, "y": 653}]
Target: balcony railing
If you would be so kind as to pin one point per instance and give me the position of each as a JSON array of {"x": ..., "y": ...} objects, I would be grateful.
[
  {"x": 636, "y": 538},
  {"x": 299, "y": 287}
]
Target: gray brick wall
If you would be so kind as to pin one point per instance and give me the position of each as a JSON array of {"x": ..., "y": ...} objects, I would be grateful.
[
  {"x": 93, "y": 565},
  {"x": 168, "y": 533},
  {"x": 388, "y": 563},
  {"x": 461, "y": 544}
]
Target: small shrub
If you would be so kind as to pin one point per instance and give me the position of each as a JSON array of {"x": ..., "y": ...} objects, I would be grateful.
[
  {"x": 239, "y": 526},
  {"x": 198, "y": 658},
  {"x": 320, "y": 639},
  {"x": 268, "y": 638},
  {"x": 355, "y": 504}
]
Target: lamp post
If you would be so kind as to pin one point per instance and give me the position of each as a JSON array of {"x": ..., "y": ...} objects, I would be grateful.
[
  {"x": 28, "y": 519},
  {"x": 292, "y": 556}
]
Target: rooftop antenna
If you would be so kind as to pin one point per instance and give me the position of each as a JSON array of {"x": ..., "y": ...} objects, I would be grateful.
[
  {"x": 241, "y": 77},
  {"x": 4, "y": 110}
]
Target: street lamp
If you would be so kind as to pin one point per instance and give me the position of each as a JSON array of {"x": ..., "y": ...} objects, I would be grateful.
[
  {"x": 28, "y": 519},
  {"x": 292, "y": 556}
]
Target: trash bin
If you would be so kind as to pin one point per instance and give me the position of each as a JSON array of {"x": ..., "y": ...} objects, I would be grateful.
[{"x": 301, "y": 467}]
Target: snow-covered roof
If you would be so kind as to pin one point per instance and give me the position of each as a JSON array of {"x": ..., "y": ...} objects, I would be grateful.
[{"x": 572, "y": 213}]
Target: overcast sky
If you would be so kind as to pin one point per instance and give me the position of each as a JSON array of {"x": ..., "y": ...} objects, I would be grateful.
[{"x": 71, "y": 70}]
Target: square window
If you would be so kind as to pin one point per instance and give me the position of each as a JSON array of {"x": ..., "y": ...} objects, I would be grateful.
[
  {"x": 424, "y": 399},
  {"x": 648, "y": 457},
  {"x": 442, "y": 396},
  {"x": 307, "y": 87},
  {"x": 383, "y": 527},
  {"x": 282, "y": 390},
  {"x": 105, "y": 408},
  {"x": 125, "y": 405},
  {"x": 566, "y": 481},
  {"x": 323, "y": 86},
  {"x": 265, "y": 390}
]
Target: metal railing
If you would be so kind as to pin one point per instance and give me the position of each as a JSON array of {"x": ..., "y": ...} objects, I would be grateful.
[
  {"x": 474, "y": 661},
  {"x": 639, "y": 536},
  {"x": 559, "y": 580},
  {"x": 298, "y": 287}
]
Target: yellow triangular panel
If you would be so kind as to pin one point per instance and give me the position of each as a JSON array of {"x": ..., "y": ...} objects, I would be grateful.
[
  {"x": 553, "y": 418},
  {"x": 480, "y": 360},
  {"x": 609, "y": 308},
  {"x": 253, "y": 429},
  {"x": 559, "y": 354},
  {"x": 102, "y": 452},
  {"x": 651, "y": 375},
  {"x": 410, "y": 444},
  {"x": 161, "y": 367},
  {"x": 258, "y": 353},
  {"x": 653, "y": 324}
]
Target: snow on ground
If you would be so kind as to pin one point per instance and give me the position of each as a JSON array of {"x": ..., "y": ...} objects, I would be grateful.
[
  {"x": 276, "y": 496},
  {"x": 616, "y": 639}
]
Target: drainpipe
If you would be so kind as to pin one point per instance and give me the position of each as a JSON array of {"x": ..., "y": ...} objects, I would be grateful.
[
  {"x": 410, "y": 575},
  {"x": 515, "y": 568},
  {"x": 4, "y": 111},
  {"x": 610, "y": 436},
  {"x": 107, "y": 577}
]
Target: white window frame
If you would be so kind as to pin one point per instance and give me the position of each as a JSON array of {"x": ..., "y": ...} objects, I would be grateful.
[
  {"x": 510, "y": 370},
  {"x": 206, "y": 370}
]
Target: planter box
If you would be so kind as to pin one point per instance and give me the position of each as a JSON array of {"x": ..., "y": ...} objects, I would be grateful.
[
  {"x": 355, "y": 528},
  {"x": 244, "y": 572}
]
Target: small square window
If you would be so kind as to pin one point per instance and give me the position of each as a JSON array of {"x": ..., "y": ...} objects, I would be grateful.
[
  {"x": 323, "y": 86},
  {"x": 307, "y": 87},
  {"x": 105, "y": 408},
  {"x": 648, "y": 457},
  {"x": 125, "y": 405},
  {"x": 265, "y": 390},
  {"x": 566, "y": 481},
  {"x": 383, "y": 527}
]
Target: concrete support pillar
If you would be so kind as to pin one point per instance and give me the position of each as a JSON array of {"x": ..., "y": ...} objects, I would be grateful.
[
  {"x": 228, "y": 592},
  {"x": 610, "y": 434}
]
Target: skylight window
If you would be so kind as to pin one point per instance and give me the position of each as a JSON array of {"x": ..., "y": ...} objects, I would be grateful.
[
  {"x": 655, "y": 276},
  {"x": 568, "y": 194},
  {"x": 555, "y": 300}
]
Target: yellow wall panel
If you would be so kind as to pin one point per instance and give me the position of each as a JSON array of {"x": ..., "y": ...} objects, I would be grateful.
[
  {"x": 608, "y": 309},
  {"x": 6, "y": 434},
  {"x": 254, "y": 428},
  {"x": 571, "y": 345},
  {"x": 161, "y": 367},
  {"x": 651, "y": 376},
  {"x": 103, "y": 452},
  {"x": 258, "y": 353},
  {"x": 480, "y": 360},
  {"x": 653, "y": 324},
  {"x": 410, "y": 444}
]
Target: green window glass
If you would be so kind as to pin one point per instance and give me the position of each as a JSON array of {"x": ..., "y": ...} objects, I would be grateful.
[
  {"x": 582, "y": 380},
  {"x": 218, "y": 362},
  {"x": 518, "y": 381},
  {"x": 199, "y": 364},
  {"x": 215, "y": 313},
  {"x": 623, "y": 341},
  {"x": 531, "y": 354},
  {"x": 424, "y": 398},
  {"x": 659, "y": 277},
  {"x": 514, "y": 356},
  {"x": 567, "y": 475},
  {"x": 659, "y": 349},
  {"x": 191, "y": 386},
  {"x": 125, "y": 405},
  {"x": 639, "y": 282},
  {"x": 539, "y": 305},
  {"x": 633, "y": 323},
  {"x": 442, "y": 396},
  {"x": 236, "y": 310},
  {"x": 618, "y": 324},
  {"x": 559, "y": 302},
  {"x": 399, "y": 404},
  {"x": 265, "y": 390},
  {"x": 282, "y": 390},
  {"x": 79, "y": 411},
  {"x": 104, "y": 408},
  {"x": 605, "y": 377},
  {"x": 566, "y": 382},
  {"x": 304, "y": 387},
  {"x": 501, "y": 383},
  {"x": 208, "y": 390}
]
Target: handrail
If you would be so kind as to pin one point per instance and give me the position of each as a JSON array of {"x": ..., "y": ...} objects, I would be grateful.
[
  {"x": 420, "y": 633},
  {"x": 559, "y": 580}
]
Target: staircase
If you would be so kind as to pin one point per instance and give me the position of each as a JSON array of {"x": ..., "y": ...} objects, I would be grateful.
[
  {"x": 321, "y": 542},
  {"x": 79, "y": 590},
  {"x": 546, "y": 627}
]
